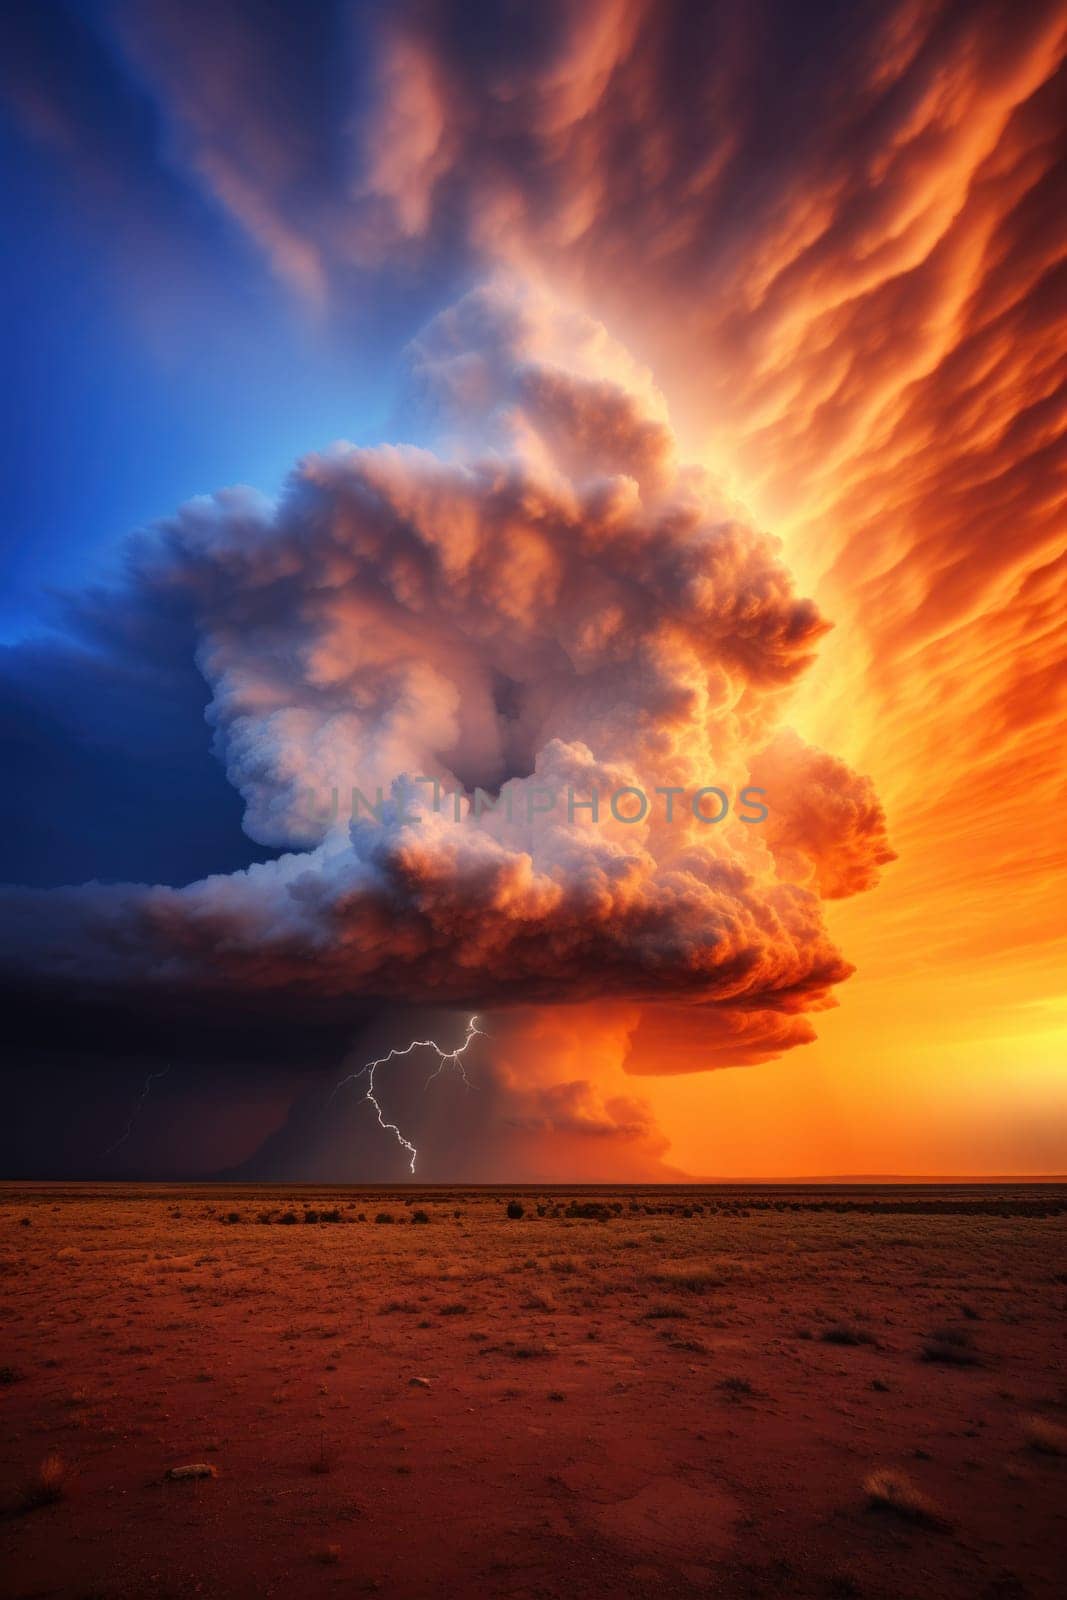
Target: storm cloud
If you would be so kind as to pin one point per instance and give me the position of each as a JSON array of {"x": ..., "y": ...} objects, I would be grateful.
[{"x": 550, "y": 601}]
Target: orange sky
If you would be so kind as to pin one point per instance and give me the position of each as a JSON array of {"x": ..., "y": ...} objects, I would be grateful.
[
  {"x": 905, "y": 439},
  {"x": 876, "y": 366}
]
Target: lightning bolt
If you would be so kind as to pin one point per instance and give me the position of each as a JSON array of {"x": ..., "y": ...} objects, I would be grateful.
[
  {"x": 447, "y": 1058},
  {"x": 137, "y": 1109}
]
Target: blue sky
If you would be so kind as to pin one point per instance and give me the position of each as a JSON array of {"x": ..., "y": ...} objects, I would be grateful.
[{"x": 150, "y": 352}]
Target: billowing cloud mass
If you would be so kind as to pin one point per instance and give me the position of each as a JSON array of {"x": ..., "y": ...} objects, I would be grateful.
[{"x": 555, "y": 605}]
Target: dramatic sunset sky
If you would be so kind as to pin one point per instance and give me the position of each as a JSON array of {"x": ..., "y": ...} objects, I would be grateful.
[{"x": 605, "y": 393}]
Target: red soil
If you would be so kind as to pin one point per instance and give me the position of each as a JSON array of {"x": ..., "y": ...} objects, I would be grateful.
[{"x": 637, "y": 1404}]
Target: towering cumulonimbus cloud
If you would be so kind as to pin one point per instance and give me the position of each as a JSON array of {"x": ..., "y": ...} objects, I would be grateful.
[{"x": 549, "y": 602}]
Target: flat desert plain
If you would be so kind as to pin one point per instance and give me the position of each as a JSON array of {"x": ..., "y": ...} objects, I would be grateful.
[{"x": 623, "y": 1392}]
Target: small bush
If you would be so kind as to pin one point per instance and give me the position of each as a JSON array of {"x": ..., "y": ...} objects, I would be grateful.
[
  {"x": 590, "y": 1210},
  {"x": 420, "y": 1216},
  {"x": 384, "y": 1216},
  {"x": 516, "y": 1210}
]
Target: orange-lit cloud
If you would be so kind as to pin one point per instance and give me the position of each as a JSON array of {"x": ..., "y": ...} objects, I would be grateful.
[{"x": 847, "y": 273}]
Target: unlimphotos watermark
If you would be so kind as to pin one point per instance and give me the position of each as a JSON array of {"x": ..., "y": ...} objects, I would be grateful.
[{"x": 525, "y": 803}]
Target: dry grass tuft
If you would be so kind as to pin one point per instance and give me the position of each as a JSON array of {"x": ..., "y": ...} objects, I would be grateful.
[
  {"x": 891, "y": 1490},
  {"x": 1048, "y": 1438},
  {"x": 51, "y": 1483},
  {"x": 692, "y": 1280}
]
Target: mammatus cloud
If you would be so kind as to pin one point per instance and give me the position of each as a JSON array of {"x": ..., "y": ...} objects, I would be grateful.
[
  {"x": 852, "y": 296},
  {"x": 553, "y": 602}
]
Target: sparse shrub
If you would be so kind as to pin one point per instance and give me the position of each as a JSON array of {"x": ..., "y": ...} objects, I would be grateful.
[
  {"x": 325, "y": 1458},
  {"x": 736, "y": 1388},
  {"x": 311, "y": 1216},
  {"x": 420, "y": 1216},
  {"x": 454, "y": 1308},
  {"x": 538, "y": 1302},
  {"x": 846, "y": 1333},
  {"x": 516, "y": 1210},
  {"x": 288, "y": 1217},
  {"x": 384, "y": 1216},
  {"x": 892, "y": 1490},
  {"x": 1048, "y": 1438},
  {"x": 10, "y": 1375},
  {"x": 333, "y": 1215},
  {"x": 950, "y": 1347},
  {"x": 518, "y": 1350}
]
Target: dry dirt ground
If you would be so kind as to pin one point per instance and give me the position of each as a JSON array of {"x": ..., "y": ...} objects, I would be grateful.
[{"x": 699, "y": 1392}]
